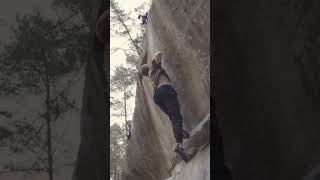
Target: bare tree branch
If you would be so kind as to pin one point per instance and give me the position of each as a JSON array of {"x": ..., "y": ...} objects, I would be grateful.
[{"x": 23, "y": 170}]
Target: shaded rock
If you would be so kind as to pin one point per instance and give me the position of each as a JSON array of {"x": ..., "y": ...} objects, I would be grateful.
[
  {"x": 92, "y": 157},
  {"x": 267, "y": 92}
]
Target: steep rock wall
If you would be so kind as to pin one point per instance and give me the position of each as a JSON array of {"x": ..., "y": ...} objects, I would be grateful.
[
  {"x": 266, "y": 79},
  {"x": 180, "y": 29}
]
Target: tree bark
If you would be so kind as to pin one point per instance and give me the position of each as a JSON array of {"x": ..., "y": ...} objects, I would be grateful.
[
  {"x": 48, "y": 119},
  {"x": 125, "y": 110}
]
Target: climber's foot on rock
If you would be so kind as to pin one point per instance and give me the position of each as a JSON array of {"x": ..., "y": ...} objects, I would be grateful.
[
  {"x": 178, "y": 149},
  {"x": 185, "y": 134}
]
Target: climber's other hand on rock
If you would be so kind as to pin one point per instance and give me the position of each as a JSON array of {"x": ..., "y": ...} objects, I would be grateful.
[
  {"x": 144, "y": 70},
  {"x": 157, "y": 57}
]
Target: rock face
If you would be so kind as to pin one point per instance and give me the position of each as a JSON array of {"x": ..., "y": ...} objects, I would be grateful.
[
  {"x": 180, "y": 29},
  {"x": 266, "y": 78}
]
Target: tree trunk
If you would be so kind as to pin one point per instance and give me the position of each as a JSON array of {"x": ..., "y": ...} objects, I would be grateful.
[
  {"x": 125, "y": 109},
  {"x": 130, "y": 37},
  {"x": 48, "y": 118},
  {"x": 50, "y": 160},
  {"x": 115, "y": 170}
]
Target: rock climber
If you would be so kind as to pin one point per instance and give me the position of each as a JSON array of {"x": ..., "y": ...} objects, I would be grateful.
[
  {"x": 144, "y": 18},
  {"x": 129, "y": 131},
  {"x": 165, "y": 96}
]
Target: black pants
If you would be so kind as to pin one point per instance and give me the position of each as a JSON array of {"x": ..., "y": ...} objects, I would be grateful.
[{"x": 166, "y": 98}]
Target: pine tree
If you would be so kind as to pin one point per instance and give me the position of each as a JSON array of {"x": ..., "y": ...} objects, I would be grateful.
[{"x": 43, "y": 51}]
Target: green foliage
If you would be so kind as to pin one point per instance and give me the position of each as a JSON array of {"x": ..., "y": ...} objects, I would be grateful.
[
  {"x": 121, "y": 84},
  {"x": 118, "y": 15},
  {"x": 134, "y": 62},
  {"x": 122, "y": 78},
  {"x": 141, "y": 9},
  {"x": 41, "y": 52},
  {"x": 84, "y": 6},
  {"x": 123, "y": 25},
  {"x": 27, "y": 137},
  {"x": 118, "y": 145}
]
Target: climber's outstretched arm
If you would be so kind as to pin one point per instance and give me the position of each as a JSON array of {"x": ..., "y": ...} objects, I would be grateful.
[
  {"x": 156, "y": 64},
  {"x": 157, "y": 58},
  {"x": 154, "y": 61}
]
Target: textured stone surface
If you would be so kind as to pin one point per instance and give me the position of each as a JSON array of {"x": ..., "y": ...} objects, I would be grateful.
[
  {"x": 267, "y": 95},
  {"x": 180, "y": 29},
  {"x": 197, "y": 168}
]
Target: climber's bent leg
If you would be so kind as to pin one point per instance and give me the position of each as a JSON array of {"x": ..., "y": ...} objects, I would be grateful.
[
  {"x": 177, "y": 129},
  {"x": 172, "y": 105},
  {"x": 166, "y": 98},
  {"x": 158, "y": 101},
  {"x": 165, "y": 110}
]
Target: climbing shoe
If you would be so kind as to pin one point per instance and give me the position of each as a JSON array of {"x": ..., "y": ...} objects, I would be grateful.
[
  {"x": 185, "y": 134},
  {"x": 178, "y": 149}
]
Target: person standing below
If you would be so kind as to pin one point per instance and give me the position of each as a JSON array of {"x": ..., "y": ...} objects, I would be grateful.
[
  {"x": 129, "y": 131},
  {"x": 165, "y": 96}
]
